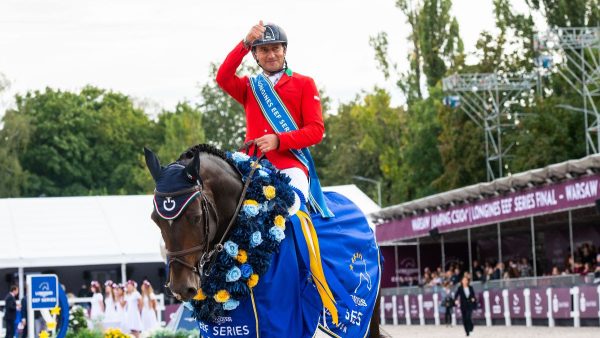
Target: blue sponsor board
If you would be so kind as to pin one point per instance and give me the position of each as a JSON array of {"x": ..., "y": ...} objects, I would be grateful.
[{"x": 44, "y": 291}]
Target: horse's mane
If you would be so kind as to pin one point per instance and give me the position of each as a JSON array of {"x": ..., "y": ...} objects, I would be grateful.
[{"x": 208, "y": 149}]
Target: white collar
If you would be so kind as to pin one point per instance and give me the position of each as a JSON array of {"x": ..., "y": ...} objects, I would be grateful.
[{"x": 275, "y": 77}]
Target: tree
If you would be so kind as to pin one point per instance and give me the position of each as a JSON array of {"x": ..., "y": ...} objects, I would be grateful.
[
  {"x": 80, "y": 143},
  {"x": 181, "y": 128},
  {"x": 224, "y": 119},
  {"x": 14, "y": 137},
  {"x": 568, "y": 13},
  {"x": 362, "y": 140}
]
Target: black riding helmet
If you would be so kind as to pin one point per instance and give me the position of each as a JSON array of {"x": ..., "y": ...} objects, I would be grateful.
[{"x": 272, "y": 34}]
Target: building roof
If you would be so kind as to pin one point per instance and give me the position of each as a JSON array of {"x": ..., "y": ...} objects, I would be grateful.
[
  {"x": 551, "y": 174},
  {"x": 91, "y": 230}
]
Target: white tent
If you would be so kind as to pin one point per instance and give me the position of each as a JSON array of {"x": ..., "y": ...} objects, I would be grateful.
[
  {"x": 71, "y": 231},
  {"x": 67, "y": 231}
]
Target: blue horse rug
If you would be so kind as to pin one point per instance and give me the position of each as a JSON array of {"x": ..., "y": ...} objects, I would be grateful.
[{"x": 287, "y": 303}]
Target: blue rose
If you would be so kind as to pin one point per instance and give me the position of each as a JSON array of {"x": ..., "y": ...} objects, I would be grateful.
[
  {"x": 231, "y": 248},
  {"x": 264, "y": 207},
  {"x": 234, "y": 274},
  {"x": 277, "y": 233},
  {"x": 246, "y": 270},
  {"x": 255, "y": 239},
  {"x": 231, "y": 304},
  {"x": 239, "y": 157},
  {"x": 251, "y": 210}
]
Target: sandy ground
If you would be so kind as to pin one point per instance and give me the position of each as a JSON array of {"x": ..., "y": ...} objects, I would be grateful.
[{"x": 493, "y": 332}]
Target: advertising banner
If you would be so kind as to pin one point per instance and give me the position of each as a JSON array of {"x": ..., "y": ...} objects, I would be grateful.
[{"x": 534, "y": 201}]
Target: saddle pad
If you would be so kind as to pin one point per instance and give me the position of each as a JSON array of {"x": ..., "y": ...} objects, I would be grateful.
[{"x": 350, "y": 253}]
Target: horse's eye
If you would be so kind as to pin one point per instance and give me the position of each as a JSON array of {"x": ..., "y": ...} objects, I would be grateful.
[{"x": 197, "y": 219}]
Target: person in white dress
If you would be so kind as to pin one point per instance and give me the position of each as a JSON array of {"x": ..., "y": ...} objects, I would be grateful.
[
  {"x": 97, "y": 308},
  {"x": 133, "y": 309},
  {"x": 110, "y": 309},
  {"x": 120, "y": 304},
  {"x": 149, "y": 309}
]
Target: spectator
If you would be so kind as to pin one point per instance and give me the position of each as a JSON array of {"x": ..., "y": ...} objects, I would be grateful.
[
  {"x": 498, "y": 271},
  {"x": 555, "y": 271},
  {"x": 448, "y": 304},
  {"x": 524, "y": 268},
  {"x": 477, "y": 271},
  {"x": 455, "y": 277},
  {"x": 10, "y": 311}
]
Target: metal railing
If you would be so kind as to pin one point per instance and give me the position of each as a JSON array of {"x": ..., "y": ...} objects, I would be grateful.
[{"x": 515, "y": 283}]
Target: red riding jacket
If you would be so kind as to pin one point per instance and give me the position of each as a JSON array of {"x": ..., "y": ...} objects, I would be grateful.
[{"x": 298, "y": 93}]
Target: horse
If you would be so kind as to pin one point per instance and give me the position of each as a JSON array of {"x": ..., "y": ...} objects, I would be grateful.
[{"x": 196, "y": 200}]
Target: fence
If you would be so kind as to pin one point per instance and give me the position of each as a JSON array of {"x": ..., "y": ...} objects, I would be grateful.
[{"x": 526, "y": 300}]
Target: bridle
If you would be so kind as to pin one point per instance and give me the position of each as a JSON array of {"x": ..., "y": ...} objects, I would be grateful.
[{"x": 207, "y": 253}]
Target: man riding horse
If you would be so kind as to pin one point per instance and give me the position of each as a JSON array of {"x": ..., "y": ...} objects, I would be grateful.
[
  {"x": 224, "y": 222},
  {"x": 299, "y": 96}
]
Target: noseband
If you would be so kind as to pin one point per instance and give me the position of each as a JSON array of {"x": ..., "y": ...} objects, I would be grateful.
[{"x": 207, "y": 254}]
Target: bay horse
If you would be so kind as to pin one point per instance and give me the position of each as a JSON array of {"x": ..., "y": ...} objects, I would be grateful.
[{"x": 197, "y": 198}]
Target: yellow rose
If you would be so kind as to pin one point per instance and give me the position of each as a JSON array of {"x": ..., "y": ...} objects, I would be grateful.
[
  {"x": 222, "y": 296},
  {"x": 280, "y": 222},
  {"x": 242, "y": 256},
  {"x": 269, "y": 192},
  {"x": 200, "y": 295},
  {"x": 253, "y": 280},
  {"x": 250, "y": 202}
]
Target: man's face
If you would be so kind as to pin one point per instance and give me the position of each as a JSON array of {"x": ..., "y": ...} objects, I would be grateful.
[{"x": 271, "y": 57}]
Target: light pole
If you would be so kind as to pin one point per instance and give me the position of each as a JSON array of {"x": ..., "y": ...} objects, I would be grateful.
[{"x": 370, "y": 180}]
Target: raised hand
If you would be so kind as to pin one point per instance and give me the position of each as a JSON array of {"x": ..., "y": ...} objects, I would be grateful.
[{"x": 256, "y": 32}]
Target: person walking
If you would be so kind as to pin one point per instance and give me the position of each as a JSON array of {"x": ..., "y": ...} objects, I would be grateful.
[
  {"x": 10, "y": 311},
  {"x": 466, "y": 295},
  {"x": 149, "y": 309}
]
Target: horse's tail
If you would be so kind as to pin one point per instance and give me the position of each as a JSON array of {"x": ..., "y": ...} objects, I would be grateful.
[{"x": 374, "y": 329}]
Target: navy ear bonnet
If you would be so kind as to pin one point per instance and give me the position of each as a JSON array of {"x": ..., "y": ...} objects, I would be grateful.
[{"x": 182, "y": 189}]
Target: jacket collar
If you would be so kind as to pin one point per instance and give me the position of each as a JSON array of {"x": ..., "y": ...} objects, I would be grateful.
[{"x": 287, "y": 75}]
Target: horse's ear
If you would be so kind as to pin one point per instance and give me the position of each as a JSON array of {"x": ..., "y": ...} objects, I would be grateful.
[
  {"x": 152, "y": 163},
  {"x": 193, "y": 169}
]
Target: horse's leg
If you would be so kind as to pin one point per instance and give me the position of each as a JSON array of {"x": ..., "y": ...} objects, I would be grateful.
[{"x": 374, "y": 330}]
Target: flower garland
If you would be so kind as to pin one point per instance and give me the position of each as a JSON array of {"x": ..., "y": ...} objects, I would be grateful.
[{"x": 257, "y": 234}]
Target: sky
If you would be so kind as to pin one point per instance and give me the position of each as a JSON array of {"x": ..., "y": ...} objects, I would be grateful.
[{"x": 159, "y": 51}]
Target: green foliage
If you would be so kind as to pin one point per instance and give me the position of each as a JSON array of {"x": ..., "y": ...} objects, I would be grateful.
[
  {"x": 421, "y": 160},
  {"x": 379, "y": 43},
  {"x": 360, "y": 141},
  {"x": 555, "y": 133},
  {"x": 164, "y": 333},
  {"x": 77, "y": 320},
  {"x": 85, "y": 333},
  {"x": 568, "y": 13},
  {"x": 77, "y": 143},
  {"x": 224, "y": 119},
  {"x": 181, "y": 129}
]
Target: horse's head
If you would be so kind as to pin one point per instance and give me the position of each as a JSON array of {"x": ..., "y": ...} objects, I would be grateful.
[{"x": 193, "y": 204}]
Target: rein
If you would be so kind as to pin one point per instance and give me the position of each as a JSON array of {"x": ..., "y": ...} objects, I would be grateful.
[{"x": 207, "y": 255}]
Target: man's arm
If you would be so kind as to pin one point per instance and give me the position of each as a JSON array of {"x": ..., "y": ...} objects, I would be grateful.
[
  {"x": 226, "y": 77},
  {"x": 313, "y": 127}
]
